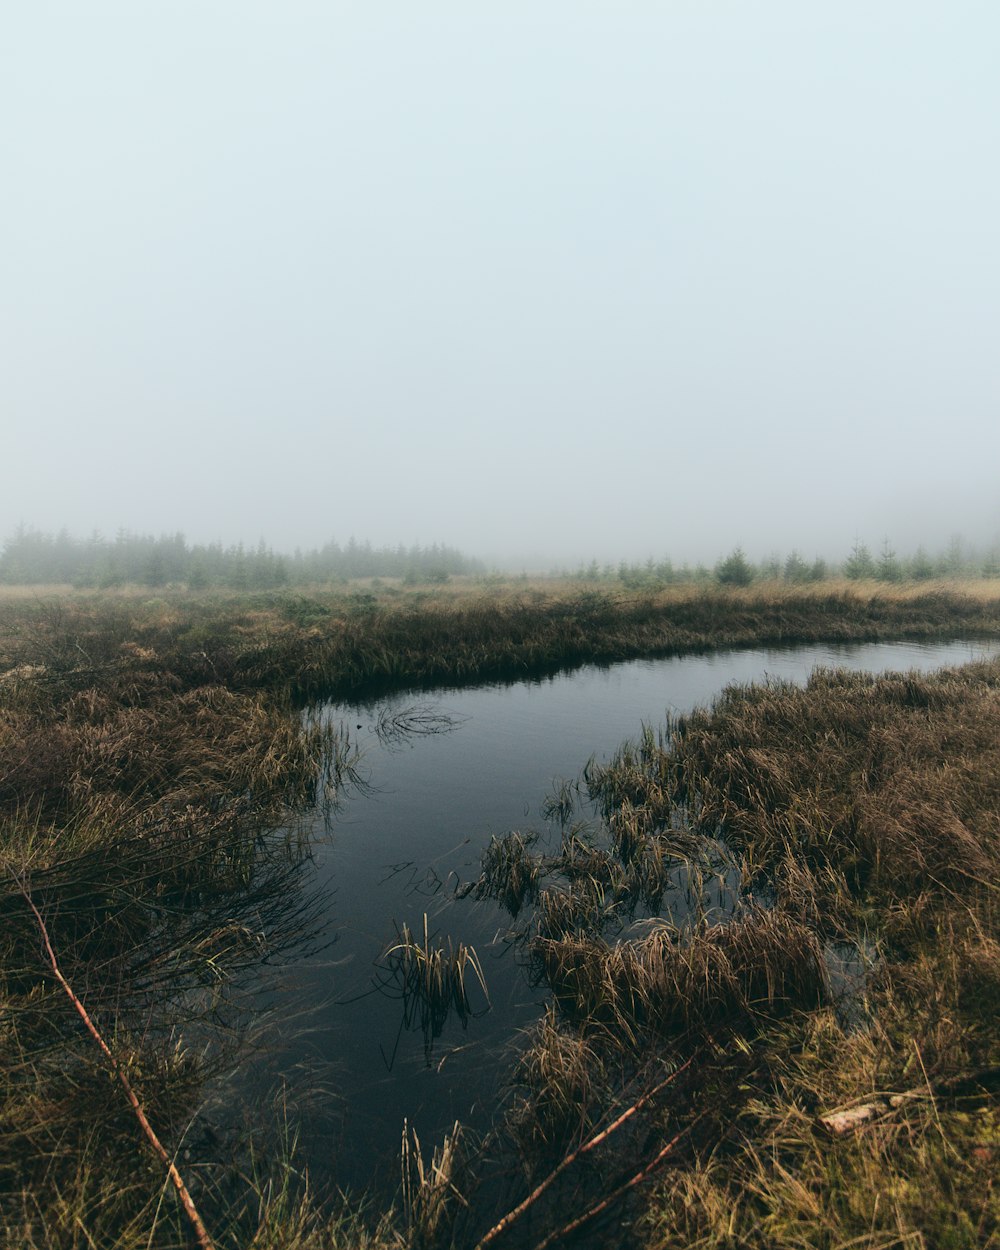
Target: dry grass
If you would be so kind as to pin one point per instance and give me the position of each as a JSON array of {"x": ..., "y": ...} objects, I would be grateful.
[
  {"x": 670, "y": 983},
  {"x": 431, "y": 1188},
  {"x": 511, "y": 871},
  {"x": 858, "y": 810},
  {"x": 432, "y": 980},
  {"x": 920, "y": 1172},
  {"x": 140, "y": 813},
  {"x": 330, "y": 642},
  {"x": 148, "y": 746}
]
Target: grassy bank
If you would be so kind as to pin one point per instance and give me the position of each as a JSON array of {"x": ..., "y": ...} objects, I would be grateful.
[
  {"x": 147, "y": 873},
  {"x": 331, "y": 643},
  {"x": 151, "y": 757},
  {"x": 805, "y": 1051}
]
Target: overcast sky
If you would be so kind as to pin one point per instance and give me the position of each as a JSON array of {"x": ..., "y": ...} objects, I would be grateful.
[{"x": 544, "y": 280}]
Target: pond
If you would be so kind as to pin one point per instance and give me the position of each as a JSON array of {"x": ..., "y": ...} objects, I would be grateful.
[{"x": 477, "y": 762}]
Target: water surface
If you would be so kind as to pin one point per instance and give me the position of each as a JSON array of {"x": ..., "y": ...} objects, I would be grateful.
[{"x": 396, "y": 851}]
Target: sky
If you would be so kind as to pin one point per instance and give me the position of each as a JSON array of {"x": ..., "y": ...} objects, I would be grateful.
[{"x": 547, "y": 280}]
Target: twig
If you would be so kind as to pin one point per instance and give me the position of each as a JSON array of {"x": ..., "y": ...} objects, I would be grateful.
[
  {"x": 615, "y": 1194},
  {"x": 201, "y": 1232},
  {"x": 590, "y": 1144}
]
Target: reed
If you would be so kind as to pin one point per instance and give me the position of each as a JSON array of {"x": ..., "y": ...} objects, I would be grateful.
[
  {"x": 162, "y": 947},
  {"x": 347, "y": 642},
  {"x": 150, "y": 747},
  {"x": 778, "y": 1178},
  {"x": 671, "y": 983},
  {"x": 510, "y": 871},
  {"x": 432, "y": 981},
  {"x": 858, "y": 811},
  {"x": 560, "y": 805},
  {"x": 431, "y": 1189},
  {"x": 563, "y": 1086}
]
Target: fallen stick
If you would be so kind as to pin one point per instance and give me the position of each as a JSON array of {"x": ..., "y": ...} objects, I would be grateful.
[
  {"x": 201, "y": 1232},
  {"x": 978, "y": 1084},
  {"x": 615, "y": 1194},
  {"x": 571, "y": 1158}
]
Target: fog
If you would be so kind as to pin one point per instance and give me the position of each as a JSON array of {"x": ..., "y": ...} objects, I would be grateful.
[{"x": 545, "y": 281}]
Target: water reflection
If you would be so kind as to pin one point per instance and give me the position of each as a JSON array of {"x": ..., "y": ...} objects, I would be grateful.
[
  {"x": 433, "y": 980},
  {"x": 469, "y": 774}
]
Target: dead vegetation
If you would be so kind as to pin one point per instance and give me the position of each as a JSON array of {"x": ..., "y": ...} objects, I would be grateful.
[
  {"x": 861, "y": 814},
  {"x": 679, "y": 916},
  {"x": 433, "y": 980}
]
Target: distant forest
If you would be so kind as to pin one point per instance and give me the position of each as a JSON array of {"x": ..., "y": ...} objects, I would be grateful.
[
  {"x": 30, "y": 557},
  {"x": 958, "y": 559}
]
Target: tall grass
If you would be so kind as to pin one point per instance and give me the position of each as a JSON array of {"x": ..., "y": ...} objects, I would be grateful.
[
  {"x": 860, "y": 814},
  {"x": 431, "y": 1187},
  {"x": 432, "y": 981},
  {"x": 336, "y": 642},
  {"x": 151, "y": 752},
  {"x": 143, "y": 818}
]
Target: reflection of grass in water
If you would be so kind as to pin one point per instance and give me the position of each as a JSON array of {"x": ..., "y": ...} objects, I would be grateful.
[
  {"x": 395, "y": 726},
  {"x": 432, "y": 980}
]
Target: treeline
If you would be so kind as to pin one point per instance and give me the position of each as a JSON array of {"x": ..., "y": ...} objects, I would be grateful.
[
  {"x": 959, "y": 560},
  {"x": 30, "y": 557}
]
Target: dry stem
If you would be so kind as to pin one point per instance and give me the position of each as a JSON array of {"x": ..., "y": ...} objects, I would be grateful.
[
  {"x": 571, "y": 1158},
  {"x": 201, "y": 1232}
]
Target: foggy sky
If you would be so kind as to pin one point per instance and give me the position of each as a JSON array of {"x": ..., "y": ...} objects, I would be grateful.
[{"x": 544, "y": 280}]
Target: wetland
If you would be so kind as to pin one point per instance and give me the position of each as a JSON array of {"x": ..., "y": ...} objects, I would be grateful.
[{"x": 334, "y": 877}]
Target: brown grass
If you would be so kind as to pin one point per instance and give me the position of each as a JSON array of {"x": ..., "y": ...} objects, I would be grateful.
[
  {"x": 858, "y": 810},
  {"x": 149, "y": 746}
]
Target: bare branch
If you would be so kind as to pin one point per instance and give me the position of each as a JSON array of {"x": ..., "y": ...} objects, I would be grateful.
[
  {"x": 201, "y": 1232},
  {"x": 590, "y": 1144}
]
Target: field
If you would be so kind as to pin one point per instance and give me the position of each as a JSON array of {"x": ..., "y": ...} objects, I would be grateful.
[{"x": 684, "y": 1082}]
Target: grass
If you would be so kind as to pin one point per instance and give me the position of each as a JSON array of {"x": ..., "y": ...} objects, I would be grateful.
[
  {"x": 431, "y": 980},
  {"x": 144, "y": 819},
  {"x": 332, "y": 643},
  {"x": 680, "y": 915},
  {"x": 862, "y": 815},
  {"x": 431, "y": 1188}
]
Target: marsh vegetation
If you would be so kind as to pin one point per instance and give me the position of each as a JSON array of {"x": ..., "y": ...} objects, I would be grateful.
[
  {"x": 861, "y": 813},
  {"x": 686, "y": 912}
]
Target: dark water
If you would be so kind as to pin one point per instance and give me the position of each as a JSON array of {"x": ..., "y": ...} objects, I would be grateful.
[{"x": 395, "y": 852}]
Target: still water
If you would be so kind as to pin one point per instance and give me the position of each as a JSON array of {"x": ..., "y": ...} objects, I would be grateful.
[{"x": 335, "y": 1040}]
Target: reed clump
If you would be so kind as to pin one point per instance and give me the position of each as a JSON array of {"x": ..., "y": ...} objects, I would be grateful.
[
  {"x": 857, "y": 814},
  {"x": 432, "y": 980},
  {"x": 510, "y": 871},
  {"x": 150, "y": 749},
  {"x": 669, "y": 983},
  {"x": 563, "y": 1087},
  {"x": 431, "y": 1187}
]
